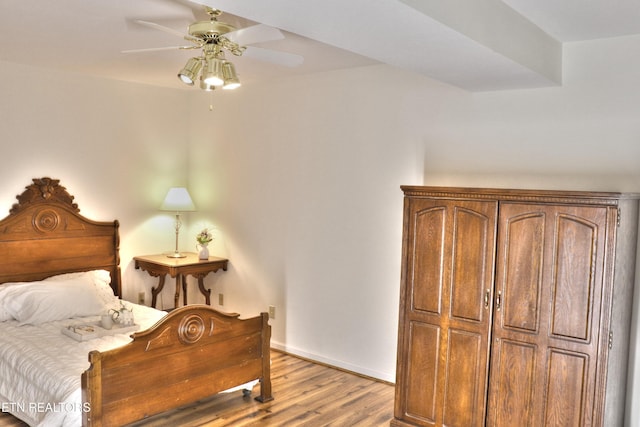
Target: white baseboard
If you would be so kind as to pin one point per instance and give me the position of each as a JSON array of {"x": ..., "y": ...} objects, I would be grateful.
[{"x": 384, "y": 376}]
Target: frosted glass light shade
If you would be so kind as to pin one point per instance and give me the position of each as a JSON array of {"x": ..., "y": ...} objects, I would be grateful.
[{"x": 178, "y": 200}]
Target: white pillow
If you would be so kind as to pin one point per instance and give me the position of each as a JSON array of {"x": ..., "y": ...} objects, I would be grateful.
[
  {"x": 4, "y": 314},
  {"x": 100, "y": 278},
  {"x": 40, "y": 302}
]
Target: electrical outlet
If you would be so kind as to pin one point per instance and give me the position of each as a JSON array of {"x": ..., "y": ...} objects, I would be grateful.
[
  {"x": 272, "y": 312},
  {"x": 220, "y": 299},
  {"x": 141, "y": 298}
]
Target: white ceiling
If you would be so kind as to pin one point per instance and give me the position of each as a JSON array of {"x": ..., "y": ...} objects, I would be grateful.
[{"x": 473, "y": 44}]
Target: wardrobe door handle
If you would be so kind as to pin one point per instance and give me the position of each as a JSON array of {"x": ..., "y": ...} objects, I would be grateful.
[
  {"x": 499, "y": 301},
  {"x": 487, "y": 298}
]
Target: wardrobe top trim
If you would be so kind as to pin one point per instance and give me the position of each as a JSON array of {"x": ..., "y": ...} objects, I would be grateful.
[{"x": 503, "y": 194}]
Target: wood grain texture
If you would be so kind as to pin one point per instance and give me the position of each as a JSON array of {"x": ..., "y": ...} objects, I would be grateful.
[
  {"x": 306, "y": 394},
  {"x": 445, "y": 315},
  {"x": 44, "y": 235},
  {"x": 191, "y": 354},
  {"x": 556, "y": 338}
]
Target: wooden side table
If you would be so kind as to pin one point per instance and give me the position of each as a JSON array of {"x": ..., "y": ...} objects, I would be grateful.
[{"x": 160, "y": 265}]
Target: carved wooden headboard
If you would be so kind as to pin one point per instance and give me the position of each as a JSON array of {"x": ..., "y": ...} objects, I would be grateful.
[{"x": 44, "y": 234}]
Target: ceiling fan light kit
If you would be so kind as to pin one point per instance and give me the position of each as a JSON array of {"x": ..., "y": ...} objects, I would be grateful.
[
  {"x": 208, "y": 35},
  {"x": 216, "y": 71},
  {"x": 214, "y": 37}
]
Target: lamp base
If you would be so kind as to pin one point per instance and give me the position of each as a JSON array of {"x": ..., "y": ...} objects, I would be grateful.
[{"x": 176, "y": 255}]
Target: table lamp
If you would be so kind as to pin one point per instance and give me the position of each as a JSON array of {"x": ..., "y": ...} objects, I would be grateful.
[{"x": 177, "y": 200}]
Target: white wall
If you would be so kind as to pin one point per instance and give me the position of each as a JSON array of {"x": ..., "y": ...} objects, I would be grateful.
[
  {"x": 303, "y": 181},
  {"x": 116, "y": 147},
  {"x": 301, "y": 178},
  {"x": 583, "y": 135}
]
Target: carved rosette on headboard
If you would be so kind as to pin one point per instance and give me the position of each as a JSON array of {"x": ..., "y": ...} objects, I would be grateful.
[
  {"x": 45, "y": 235},
  {"x": 44, "y": 190}
]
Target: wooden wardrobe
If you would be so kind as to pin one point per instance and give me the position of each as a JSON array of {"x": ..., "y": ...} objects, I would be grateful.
[{"x": 515, "y": 307}]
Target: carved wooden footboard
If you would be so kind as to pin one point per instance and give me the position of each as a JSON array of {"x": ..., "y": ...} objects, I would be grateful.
[{"x": 194, "y": 352}]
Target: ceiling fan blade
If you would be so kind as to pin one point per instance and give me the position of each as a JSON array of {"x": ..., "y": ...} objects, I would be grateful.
[
  {"x": 160, "y": 27},
  {"x": 255, "y": 34},
  {"x": 274, "y": 56},
  {"x": 158, "y": 49}
]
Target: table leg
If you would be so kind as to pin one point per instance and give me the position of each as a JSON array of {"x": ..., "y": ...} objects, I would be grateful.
[
  {"x": 156, "y": 291},
  {"x": 176, "y": 297},
  {"x": 206, "y": 292},
  {"x": 184, "y": 289}
]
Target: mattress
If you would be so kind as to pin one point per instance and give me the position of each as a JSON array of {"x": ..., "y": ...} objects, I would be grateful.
[{"x": 40, "y": 368}]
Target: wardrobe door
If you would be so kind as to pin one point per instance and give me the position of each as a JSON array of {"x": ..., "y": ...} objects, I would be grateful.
[
  {"x": 549, "y": 289},
  {"x": 445, "y": 319}
]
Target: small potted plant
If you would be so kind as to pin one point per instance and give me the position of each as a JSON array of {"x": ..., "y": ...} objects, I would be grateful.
[{"x": 203, "y": 238}]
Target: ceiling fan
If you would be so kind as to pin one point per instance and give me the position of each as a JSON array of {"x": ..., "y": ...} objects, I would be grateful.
[{"x": 214, "y": 38}]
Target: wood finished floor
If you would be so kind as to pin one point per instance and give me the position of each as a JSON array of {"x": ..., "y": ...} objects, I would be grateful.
[{"x": 305, "y": 394}]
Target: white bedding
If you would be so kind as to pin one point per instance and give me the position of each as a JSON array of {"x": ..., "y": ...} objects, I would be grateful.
[{"x": 40, "y": 368}]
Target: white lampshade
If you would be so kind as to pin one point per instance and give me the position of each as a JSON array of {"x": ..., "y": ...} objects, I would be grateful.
[{"x": 178, "y": 200}]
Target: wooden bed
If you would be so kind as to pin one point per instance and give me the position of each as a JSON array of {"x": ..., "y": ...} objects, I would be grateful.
[{"x": 192, "y": 353}]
